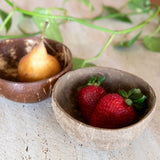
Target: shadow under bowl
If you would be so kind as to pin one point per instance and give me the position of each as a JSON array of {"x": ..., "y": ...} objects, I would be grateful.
[
  {"x": 11, "y": 51},
  {"x": 68, "y": 115}
]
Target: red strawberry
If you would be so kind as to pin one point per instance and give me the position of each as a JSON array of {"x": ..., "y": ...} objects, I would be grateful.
[
  {"x": 113, "y": 112},
  {"x": 89, "y": 96}
]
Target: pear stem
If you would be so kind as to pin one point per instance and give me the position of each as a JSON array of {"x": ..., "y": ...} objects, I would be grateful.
[
  {"x": 42, "y": 35},
  {"x": 42, "y": 38}
]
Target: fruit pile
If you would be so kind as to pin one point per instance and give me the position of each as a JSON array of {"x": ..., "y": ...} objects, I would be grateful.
[{"x": 109, "y": 110}]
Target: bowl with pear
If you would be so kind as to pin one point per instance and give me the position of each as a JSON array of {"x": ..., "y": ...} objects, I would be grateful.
[{"x": 30, "y": 66}]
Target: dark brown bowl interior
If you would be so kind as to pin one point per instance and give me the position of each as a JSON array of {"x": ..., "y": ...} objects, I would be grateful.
[
  {"x": 11, "y": 51},
  {"x": 115, "y": 80}
]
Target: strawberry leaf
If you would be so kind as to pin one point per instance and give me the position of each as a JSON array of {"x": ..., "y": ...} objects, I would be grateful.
[
  {"x": 92, "y": 80},
  {"x": 101, "y": 80},
  {"x": 134, "y": 91},
  {"x": 140, "y": 100},
  {"x": 95, "y": 80},
  {"x": 129, "y": 101},
  {"x": 123, "y": 93},
  {"x": 136, "y": 96}
]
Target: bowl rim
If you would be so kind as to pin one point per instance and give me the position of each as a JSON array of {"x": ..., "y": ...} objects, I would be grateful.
[
  {"x": 69, "y": 66},
  {"x": 98, "y": 128}
]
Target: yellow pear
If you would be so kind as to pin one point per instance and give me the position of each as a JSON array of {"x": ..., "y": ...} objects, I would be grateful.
[{"x": 38, "y": 65}]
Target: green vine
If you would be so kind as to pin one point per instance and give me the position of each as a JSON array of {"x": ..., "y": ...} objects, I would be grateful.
[
  {"x": 100, "y": 53},
  {"x": 42, "y": 15}
]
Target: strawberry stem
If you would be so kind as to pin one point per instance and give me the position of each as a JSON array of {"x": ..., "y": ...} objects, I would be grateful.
[
  {"x": 96, "y": 81},
  {"x": 135, "y": 98}
]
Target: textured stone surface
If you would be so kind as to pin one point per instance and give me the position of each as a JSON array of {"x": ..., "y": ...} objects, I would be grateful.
[{"x": 31, "y": 132}]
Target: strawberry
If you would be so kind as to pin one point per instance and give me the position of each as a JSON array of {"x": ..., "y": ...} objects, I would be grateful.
[
  {"x": 115, "y": 111},
  {"x": 89, "y": 96}
]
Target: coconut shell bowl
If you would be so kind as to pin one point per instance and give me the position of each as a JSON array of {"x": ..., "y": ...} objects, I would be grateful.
[
  {"x": 69, "y": 117},
  {"x": 11, "y": 51}
]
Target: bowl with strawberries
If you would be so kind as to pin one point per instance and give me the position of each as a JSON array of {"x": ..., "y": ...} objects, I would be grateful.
[{"x": 103, "y": 108}]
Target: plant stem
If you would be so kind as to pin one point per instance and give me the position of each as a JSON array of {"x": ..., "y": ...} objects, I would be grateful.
[
  {"x": 19, "y": 36},
  {"x": 115, "y": 15},
  {"x": 92, "y": 25},
  {"x": 7, "y": 19},
  {"x": 81, "y": 21},
  {"x": 100, "y": 53},
  {"x": 85, "y": 22},
  {"x": 44, "y": 29}
]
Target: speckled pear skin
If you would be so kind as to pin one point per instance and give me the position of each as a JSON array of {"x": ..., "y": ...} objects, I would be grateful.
[
  {"x": 69, "y": 117},
  {"x": 11, "y": 51}
]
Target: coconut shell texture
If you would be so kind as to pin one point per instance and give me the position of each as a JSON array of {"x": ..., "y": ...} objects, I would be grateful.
[
  {"x": 11, "y": 51},
  {"x": 68, "y": 115}
]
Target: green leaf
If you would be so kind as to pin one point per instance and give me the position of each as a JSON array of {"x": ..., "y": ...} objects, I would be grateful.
[
  {"x": 134, "y": 91},
  {"x": 120, "y": 16},
  {"x": 111, "y": 10},
  {"x": 87, "y": 3},
  {"x": 92, "y": 80},
  {"x": 77, "y": 63},
  {"x": 26, "y": 15},
  {"x": 3, "y": 15},
  {"x": 152, "y": 43},
  {"x": 21, "y": 21},
  {"x": 129, "y": 102},
  {"x": 101, "y": 80},
  {"x": 123, "y": 93},
  {"x": 135, "y": 94},
  {"x": 140, "y": 100},
  {"x": 130, "y": 42},
  {"x": 52, "y": 31},
  {"x": 131, "y": 92},
  {"x": 137, "y": 98},
  {"x": 139, "y": 5},
  {"x": 96, "y": 80}
]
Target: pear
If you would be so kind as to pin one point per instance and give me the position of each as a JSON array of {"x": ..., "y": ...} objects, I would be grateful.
[{"x": 38, "y": 64}]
